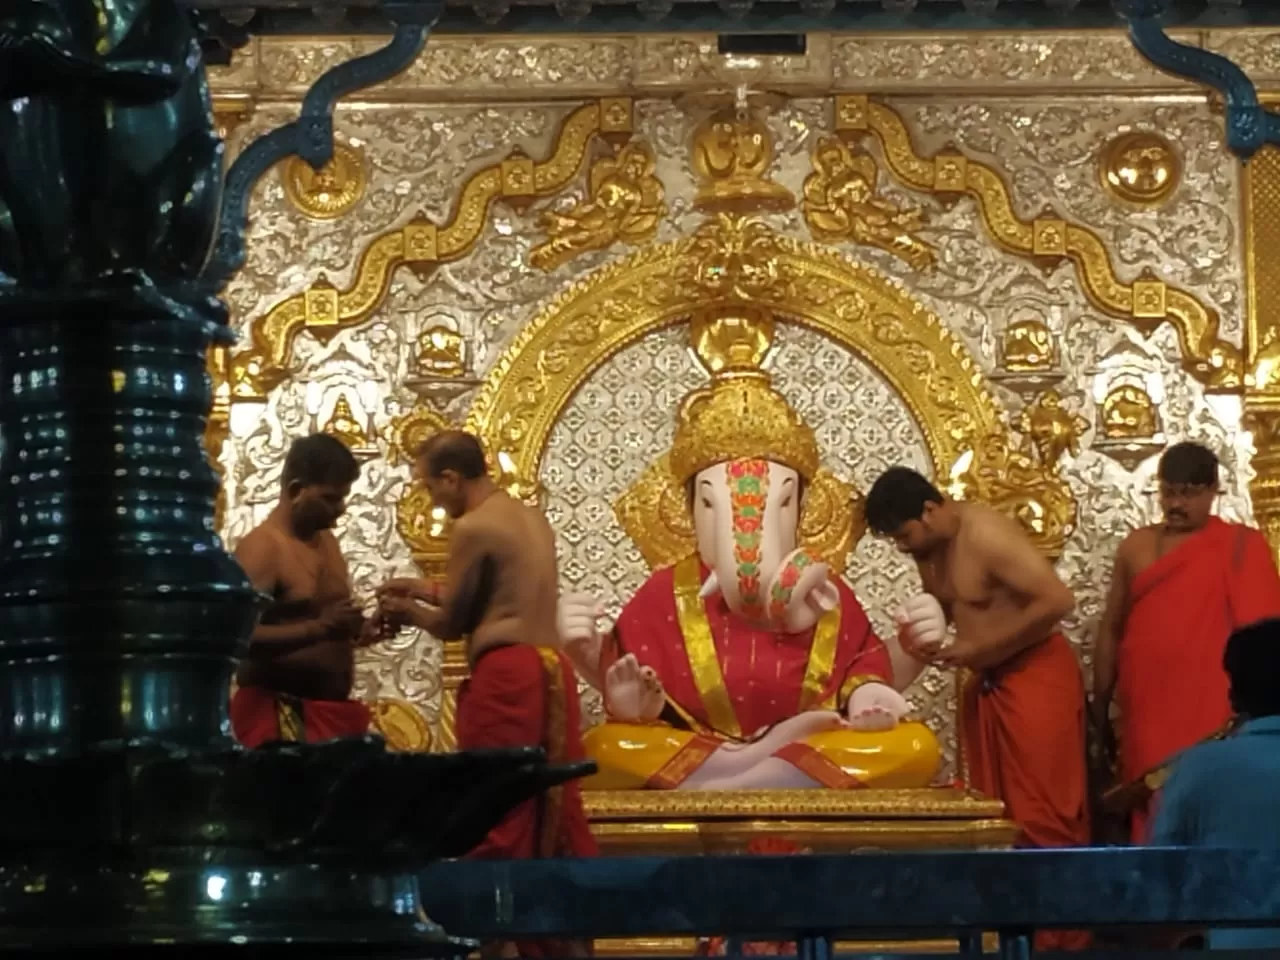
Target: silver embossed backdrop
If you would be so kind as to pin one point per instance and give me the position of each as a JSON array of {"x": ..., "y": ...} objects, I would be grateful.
[{"x": 412, "y": 144}]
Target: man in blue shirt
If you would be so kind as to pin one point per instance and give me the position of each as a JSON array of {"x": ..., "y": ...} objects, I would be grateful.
[{"x": 1195, "y": 810}]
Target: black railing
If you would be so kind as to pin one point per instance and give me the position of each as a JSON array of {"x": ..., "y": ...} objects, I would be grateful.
[{"x": 815, "y": 901}]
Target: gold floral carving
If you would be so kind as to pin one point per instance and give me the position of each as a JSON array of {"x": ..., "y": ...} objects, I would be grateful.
[
  {"x": 732, "y": 153},
  {"x": 422, "y": 525},
  {"x": 730, "y": 261},
  {"x": 626, "y": 203},
  {"x": 1140, "y": 167},
  {"x": 1021, "y": 478},
  {"x": 840, "y": 203},
  {"x": 421, "y": 245},
  {"x": 1146, "y": 302},
  {"x": 1262, "y": 395},
  {"x": 330, "y": 192},
  {"x": 402, "y": 725}
]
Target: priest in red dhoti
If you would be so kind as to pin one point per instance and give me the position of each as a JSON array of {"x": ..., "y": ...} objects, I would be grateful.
[
  {"x": 1178, "y": 590},
  {"x": 500, "y": 593},
  {"x": 294, "y": 683},
  {"x": 743, "y": 661}
]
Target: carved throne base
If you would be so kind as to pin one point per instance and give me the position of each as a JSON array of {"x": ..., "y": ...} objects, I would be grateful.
[{"x": 658, "y": 823}]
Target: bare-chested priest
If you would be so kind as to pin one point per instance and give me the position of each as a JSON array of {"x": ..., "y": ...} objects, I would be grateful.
[
  {"x": 295, "y": 681},
  {"x": 1022, "y": 710},
  {"x": 500, "y": 593}
]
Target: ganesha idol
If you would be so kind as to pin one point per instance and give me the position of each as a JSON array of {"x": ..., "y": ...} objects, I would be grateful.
[{"x": 744, "y": 661}]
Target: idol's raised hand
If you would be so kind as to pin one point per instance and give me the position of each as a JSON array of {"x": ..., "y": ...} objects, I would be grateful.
[{"x": 922, "y": 627}]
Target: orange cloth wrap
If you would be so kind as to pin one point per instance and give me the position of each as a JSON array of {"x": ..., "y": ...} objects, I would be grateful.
[
  {"x": 1171, "y": 688},
  {"x": 1023, "y": 742},
  {"x": 259, "y": 716}
]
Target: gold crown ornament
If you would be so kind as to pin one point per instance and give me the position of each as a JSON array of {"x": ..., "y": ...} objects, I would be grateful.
[{"x": 737, "y": 416}]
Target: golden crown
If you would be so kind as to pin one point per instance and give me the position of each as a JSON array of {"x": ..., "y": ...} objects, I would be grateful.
[{"x": 739, "y": 415}]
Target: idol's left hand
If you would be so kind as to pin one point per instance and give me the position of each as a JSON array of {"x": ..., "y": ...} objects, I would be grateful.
[{"x": 876, "y": 706}]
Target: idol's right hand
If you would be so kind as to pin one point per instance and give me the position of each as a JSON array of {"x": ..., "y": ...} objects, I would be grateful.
[
  {"x": 576, "y": 617},
  {"x": 633, "y": 693},
  {"x": 922, "y": 626}
]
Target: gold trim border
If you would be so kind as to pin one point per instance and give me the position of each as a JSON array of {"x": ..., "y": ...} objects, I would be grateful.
[
  {"x": 928, "y": 804},
  {"x": 595, "y": 318}
]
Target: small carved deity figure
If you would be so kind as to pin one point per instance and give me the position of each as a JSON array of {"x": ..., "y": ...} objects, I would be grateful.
[
  {"x": 840, "y": 203},
  {"x": 1053, "y": 429},
  {"x": 1128, "y": 413},
  {"x": 441, "y": 352},
  {"x": 626, "y": 204},
  {"x": 1022, "y": 479},
  {"x": 1028, "y": 347},
  {"x": 342, "y": 423},
  {"x": 732, "y": 153}
]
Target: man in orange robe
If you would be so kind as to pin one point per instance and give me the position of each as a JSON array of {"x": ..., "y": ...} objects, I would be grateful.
[
  {"x": 1178, "y": 591},
  {"x": 1022, "y": 704},
  {"x": 500, "y": 593}
]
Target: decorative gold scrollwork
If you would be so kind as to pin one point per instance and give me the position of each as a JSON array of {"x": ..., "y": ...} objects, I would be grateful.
[
  {"x": 422, "y": 525},
  {"x": 419, "y": 244},
  {"x": 732, "y": 262},
  {"x": 626, "y": 203},
  {"x": 840, "y": 203},
  {"x": 1021, "y": 478},
  {"x": 1146, "y": 302}
]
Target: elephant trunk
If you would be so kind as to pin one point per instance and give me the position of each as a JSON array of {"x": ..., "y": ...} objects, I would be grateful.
[{"x": 749, "y": 548}]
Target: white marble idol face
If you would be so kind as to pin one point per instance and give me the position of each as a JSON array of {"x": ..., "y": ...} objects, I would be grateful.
[{"x": 746, "y": 514}]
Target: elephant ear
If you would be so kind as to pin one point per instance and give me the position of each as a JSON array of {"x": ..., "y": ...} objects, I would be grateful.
[
  {"x": 833, "y": 519},
  {"x": 653, "y": 512}
]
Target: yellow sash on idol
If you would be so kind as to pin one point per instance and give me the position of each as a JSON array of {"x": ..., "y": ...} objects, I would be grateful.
[{"x": 658, "y": 755}]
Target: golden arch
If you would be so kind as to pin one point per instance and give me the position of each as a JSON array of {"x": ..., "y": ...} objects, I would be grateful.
[{"x": 732, "y": 260}]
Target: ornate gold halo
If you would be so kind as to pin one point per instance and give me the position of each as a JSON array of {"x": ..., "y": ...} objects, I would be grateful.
[
  {"x": 557, "y": 352},
  {"x": 1140, "y": 167},
  {"x": 330, "y": 192}
]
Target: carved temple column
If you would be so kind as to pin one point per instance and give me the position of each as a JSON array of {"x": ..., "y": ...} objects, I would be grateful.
[
  {"x": 1261, "y": 200},
  {"x": 128, "y": 816}
]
